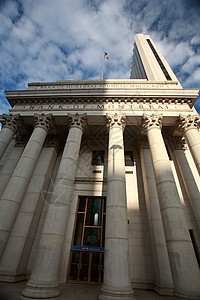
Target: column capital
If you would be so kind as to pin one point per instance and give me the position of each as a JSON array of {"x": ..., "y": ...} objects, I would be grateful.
[
  {"x": 177, "y": 143},
  {"x": 43, "y": 121},
  {"x": 188, "y": 122},
  {"x": 78, "y": 120},
  {"x": 116, "y": 120},
  {"x": 152, "y": 121},
  {"x": 12, "y": 122}
]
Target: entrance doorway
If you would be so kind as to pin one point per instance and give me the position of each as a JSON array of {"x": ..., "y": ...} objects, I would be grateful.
[{"x": 87, "y": 252}]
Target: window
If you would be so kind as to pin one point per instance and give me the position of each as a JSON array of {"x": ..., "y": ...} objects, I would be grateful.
[
  {"x": 128, "y": 157},
  {"x": 159, "y": 60},
  {"x": 98, "y": 158},
  {"x": 90, "y": 222}
]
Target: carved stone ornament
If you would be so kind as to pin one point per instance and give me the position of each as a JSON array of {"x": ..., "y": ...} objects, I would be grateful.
[
  {"x": 43, "y": 121},
  {"x": 177, "y": 143},
  {"x": 21, "y": 140},
  {"x": 12, "y": 122},
  {"x": 188, "y": 122},
  {"x": 116, "y": 120},
  {"x": 152, "y": 121},
  {"x": 78, "y": 120}
]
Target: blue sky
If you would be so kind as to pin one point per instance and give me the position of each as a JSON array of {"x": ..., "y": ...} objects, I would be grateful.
[{"x": 49, "y": 40}]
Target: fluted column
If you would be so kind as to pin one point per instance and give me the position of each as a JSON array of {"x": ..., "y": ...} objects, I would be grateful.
[
  {"x": 163, "y": 276},
  {"x": 184, "y": 267},
  {"x": 116, "y": 282},
  {"x": 16, "y": 187},
  {"x": 190, "y": 125},
  {"x": 43, "y": 282},
  {"x": 11, "y": 124}
]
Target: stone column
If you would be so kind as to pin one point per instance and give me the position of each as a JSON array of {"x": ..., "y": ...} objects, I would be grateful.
[
  {"x": 8, "y": 163},
  {"x": 16, "y": 187},
  {"x": 184, "y": 267},
  {"x": 190, "y": 125},
  {"x": 17, "y": 250},
  {"x": 43, "y": 282},
  {"x": 163, "y": 276},
  {"x": 11, "y": 124},
  {"x": 116, "y": 282},
  {"x": 189, "y": 175}
]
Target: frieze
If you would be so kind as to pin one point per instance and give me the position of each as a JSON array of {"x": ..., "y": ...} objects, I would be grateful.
[
  {"x": 100, "y": 86},
  {"x": 98, "y": 107}
]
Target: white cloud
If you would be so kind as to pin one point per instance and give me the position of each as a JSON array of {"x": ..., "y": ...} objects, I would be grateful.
[{"x": 54, "y": 40}]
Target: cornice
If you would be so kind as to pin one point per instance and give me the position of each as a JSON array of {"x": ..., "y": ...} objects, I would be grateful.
[
  {"x": 162, "y": 99},
  {"x": 103, "y": 91}
]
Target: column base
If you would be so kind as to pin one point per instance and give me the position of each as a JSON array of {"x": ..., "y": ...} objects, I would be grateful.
[
  {"x": 40, "y": 292},
  {"x": 163, "y": 290},
  {"x": 112, "y": 294},
  {"x": 12, "y": 278}
]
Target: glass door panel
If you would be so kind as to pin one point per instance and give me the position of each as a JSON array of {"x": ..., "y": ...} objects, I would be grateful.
[
  {"x": 95, "y": 267},
  {"x": 92, "y": 237},
  {"x": 94, "y": 212},
  {"x": 79, "y": 229},
  {"x": 84, "y": 266}
]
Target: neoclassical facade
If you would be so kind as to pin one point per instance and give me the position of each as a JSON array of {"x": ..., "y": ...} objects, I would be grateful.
[{"x": 100, "y": 184}]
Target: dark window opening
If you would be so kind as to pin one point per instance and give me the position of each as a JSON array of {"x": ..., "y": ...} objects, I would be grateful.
[
  {"x": 159, "y": 60},
  {"x": 128, "y": 157},
  {"x": 98, "y": 158},
  {"x": 195, "y": 246}
]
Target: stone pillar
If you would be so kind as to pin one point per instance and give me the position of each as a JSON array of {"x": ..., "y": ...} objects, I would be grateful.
[
  {"x": 184, "y": 267},
  {"x": 163, "y": 276},
  {"x": 116, "y": 282},
  {"x": 187, "y": 170},
  {"x": 190, "y": 125},
  {"x": 16, "y": 187},
  {"x": 43, "y": 282},
  {"x": 11, "y": 124},
  {"x": 8, "y": 163},
  {"x": 17, "y": 250}
]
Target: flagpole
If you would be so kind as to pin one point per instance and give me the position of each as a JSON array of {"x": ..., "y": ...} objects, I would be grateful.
[{"x": 103, "y": 66}]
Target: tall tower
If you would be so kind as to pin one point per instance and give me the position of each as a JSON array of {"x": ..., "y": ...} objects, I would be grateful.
[{"x": 148, "y": 63}]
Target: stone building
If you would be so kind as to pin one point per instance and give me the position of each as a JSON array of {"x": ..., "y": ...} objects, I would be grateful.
[{"x": 99, "y": 183}]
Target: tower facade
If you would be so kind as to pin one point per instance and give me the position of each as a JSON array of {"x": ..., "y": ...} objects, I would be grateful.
[
  {"x": 148, "y": 63},
  {"x": 99, "y": 184}
]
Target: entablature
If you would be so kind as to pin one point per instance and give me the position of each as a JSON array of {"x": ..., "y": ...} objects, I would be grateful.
[{"x": 103, "y": 91}]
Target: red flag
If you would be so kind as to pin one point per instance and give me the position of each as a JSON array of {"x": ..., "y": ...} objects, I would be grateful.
[{"x": 106, "y": 55}]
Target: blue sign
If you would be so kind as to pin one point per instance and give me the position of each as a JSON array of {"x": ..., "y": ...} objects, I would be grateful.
[{"x": 80, "y": 248}]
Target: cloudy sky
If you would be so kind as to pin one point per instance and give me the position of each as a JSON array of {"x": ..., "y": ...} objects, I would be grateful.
[{"x": 49, "y": 40}]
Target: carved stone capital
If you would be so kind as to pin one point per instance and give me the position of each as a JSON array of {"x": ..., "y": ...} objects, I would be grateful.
[
  {"x": 177, "y": 143},
  {"x": 12, "y": 122},
  {"x": 116, "y": 120},
  {"x": 21, "y": 140},
  {"x": 152, "y": 121},
  {"x": 188, "y": 122},
  {"x": 78, "y": 120},
  {"x": 43, "y": 121}
]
